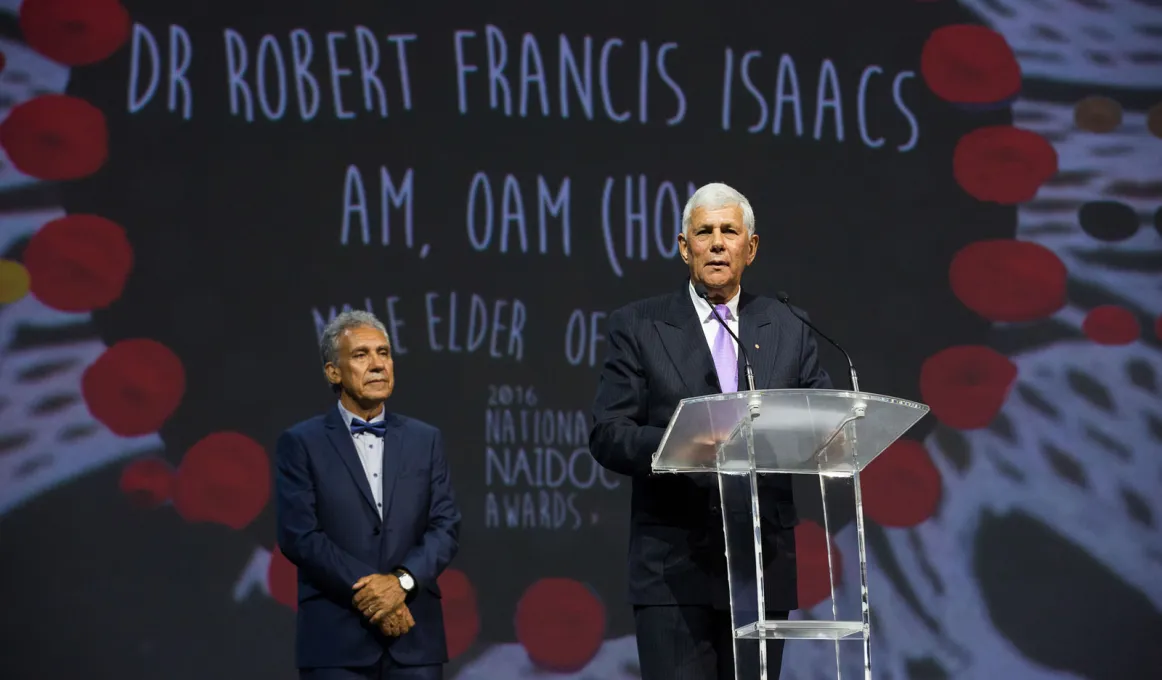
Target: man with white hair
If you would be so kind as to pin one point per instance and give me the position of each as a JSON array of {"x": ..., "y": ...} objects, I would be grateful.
[
  {"x": 367, "y": 513},
  {"x": 665, "y": 349}
]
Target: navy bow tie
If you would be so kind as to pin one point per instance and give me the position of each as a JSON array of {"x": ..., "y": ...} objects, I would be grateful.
[{"x": 377, "y": 428}]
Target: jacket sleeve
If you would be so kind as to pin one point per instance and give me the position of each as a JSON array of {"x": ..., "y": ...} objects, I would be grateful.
[
  {"x": 440, "y": 543},
  {"x": 620, "y": 440},
  {"x": 299, "y": 536}
]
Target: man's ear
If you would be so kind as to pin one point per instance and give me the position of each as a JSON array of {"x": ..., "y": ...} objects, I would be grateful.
[{"x": 332, "y": 373}]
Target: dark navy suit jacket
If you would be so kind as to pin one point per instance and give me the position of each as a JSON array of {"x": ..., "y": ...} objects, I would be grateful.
[
  {"x": 658, "y": 356},
  {"x": 329, "y": 527}
]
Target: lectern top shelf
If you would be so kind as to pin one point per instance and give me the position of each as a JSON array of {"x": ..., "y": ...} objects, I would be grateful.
[{"x": 791, "y": 431}]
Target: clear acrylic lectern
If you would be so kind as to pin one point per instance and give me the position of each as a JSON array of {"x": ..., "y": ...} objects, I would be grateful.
[{"x": 744, "y": 436}]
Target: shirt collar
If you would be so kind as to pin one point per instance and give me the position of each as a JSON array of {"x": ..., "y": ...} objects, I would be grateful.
[
  {"x": 349, "y": 416},
  {"x": 702, "y": 307}
]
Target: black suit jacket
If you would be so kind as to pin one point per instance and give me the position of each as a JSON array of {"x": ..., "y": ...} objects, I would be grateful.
[
  {"x": 329, "y": 527},
  {"x": 657, "y": 356}
]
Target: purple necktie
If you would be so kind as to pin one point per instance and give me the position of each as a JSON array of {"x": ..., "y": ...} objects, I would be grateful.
[{"x": 725, "y": 360}]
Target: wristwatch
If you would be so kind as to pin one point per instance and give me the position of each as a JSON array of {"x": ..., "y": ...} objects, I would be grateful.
[{"x": 405, "y": 580}]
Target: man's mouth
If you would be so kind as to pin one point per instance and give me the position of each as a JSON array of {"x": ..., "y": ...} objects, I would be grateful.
[{"x": 718, "y": 263}]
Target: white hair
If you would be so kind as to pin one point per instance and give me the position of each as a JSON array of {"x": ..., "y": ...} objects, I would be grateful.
[
  {"x": 345, "y": 321},
  {"x": 715, "y": 196}
]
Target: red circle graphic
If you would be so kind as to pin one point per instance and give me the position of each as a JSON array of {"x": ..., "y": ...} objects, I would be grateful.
[
  {"x": 78, "y": 263},
  {"x": 967, "y": 385},
  {"x": 225, "y": 479},
  {"x": 134, "y": 386},
  {"x": 148, "y": 482},
  {"x": 461, "y": 616},
  {"x": 55, "y": 137},
  {"x": 1003, "y": 164},
  {"x": 1008, "y": 280},
  {"x": 901, "y": 488},
  {"x": 969, "y": 64},
  {"x": 811, "y": 546},
  {"x": 74, "y": 32},
  {"x": 561, "y": 624},
  {"x": 282, "y": 579},
  {"x": 1111, "y": 325}
]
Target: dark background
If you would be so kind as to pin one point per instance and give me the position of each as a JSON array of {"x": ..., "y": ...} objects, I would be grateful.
[{"x": 235, "y": 229}]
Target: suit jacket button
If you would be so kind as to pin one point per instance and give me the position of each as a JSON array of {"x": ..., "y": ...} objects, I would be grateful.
[{"x": 375, "y": 531}]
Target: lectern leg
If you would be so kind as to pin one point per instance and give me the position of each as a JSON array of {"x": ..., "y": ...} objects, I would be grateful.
[
  {"x": 833, "y": 575},
  {"x": 741, "y": 527},
  {"x": 837, "y": 579},
  {"x": 865, "y": 610}
]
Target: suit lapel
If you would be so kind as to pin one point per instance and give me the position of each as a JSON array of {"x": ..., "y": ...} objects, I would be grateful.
[
  {"x": 394, "y": 440},
  {"x": 685, "y": 343},
  {"x": 339, "y": 434},
  {"x": 756, "y": 332}
]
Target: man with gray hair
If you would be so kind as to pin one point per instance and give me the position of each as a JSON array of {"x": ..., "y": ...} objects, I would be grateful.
[
  {"x": 367, "y": 513},
  {"x": 665, "y": 349}
]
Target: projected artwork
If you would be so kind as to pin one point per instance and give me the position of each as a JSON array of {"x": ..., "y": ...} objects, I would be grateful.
[{"x": 968, "y": 195}]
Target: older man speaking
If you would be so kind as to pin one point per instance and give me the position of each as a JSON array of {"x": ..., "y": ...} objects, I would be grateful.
[{"x": 665, "y": 349}]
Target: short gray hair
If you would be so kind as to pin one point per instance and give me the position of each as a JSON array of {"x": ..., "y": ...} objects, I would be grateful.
[
  {"x": 714, "y": 196},
  {"x": 345, "y": 321}
]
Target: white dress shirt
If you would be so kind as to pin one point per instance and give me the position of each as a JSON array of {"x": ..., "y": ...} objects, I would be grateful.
[
  {"x": 710, "y": 324},
  {"x": 370, "y": 450}
]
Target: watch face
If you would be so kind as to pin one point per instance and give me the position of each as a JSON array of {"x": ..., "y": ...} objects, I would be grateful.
[{"x": 406, "y": 581}]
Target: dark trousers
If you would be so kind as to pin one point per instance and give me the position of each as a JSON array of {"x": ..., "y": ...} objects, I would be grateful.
[
  {"x": 386, "y": 669},
  {"x": 695, "y": 643}
]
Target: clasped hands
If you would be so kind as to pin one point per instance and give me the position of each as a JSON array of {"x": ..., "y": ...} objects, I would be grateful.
[{"x": 380, "y": 598}]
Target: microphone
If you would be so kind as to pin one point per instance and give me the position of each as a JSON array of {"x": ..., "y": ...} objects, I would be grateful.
[
  {"x": 785, "y": 299},
  {"x": 700, "y": 291}
]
